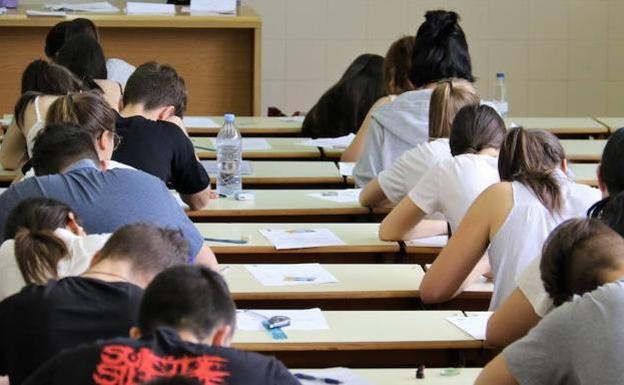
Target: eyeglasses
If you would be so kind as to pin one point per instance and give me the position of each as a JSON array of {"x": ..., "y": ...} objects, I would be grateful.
[{"x": 116, "y": 138}]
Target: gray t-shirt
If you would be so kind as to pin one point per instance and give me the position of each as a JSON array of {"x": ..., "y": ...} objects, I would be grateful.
[{"x": 581, "y": 342}]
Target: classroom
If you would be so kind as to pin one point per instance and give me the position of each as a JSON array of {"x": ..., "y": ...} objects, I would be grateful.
[{"x": 283, "y": 192}]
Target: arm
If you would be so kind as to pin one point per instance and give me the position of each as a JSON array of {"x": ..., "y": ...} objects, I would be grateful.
[
  {"x": 355, "y": 149},
  {"x": 370, "y": 162},
  {"x": 199, "y": 200},
  {"x": 405, "y": 222},
  {"x": 207, "y": 258},
  {"x": 13, "y": 150},
  {"x": 511, "y": 321},
  {"x": 373, "y": 195},
  {"x": 496, "y": 373}
]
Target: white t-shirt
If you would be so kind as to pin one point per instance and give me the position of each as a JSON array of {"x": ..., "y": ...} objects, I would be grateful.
[
  {"x": 531, "y": 284},
  {"x": 453, "y": 184},
  {"x": 81, "y": 250},
  {"x": 110, "y": 165},
  {"x": 397, "y": 181}
]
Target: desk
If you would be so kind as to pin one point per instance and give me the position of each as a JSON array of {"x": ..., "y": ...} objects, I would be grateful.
[
  {"x": 583, "y": 150},
  {"x": 561, "y": 126},
  {"x": 6, "y": 177},
  {"x": 584, "y": 173},
  {"x": 425, "y": 250},
  {"x": 253, "y": 126},
  {"x": 281, "y": 148},
  {"x": 433, "y": 376},
  {"x": 368, "y": 339},
  {"x": 280, "y": 206},
  {"x": 612, "y": 123},
  {"x": 218, "y": 56},
  {"x": 362, "y": 244}
]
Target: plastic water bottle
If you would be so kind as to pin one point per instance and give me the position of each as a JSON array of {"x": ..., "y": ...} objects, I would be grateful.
[
  {"x": 500, "y": 95},
  {"x": 229, "y": 158}
]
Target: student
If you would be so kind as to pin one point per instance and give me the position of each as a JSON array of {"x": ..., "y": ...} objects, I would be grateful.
[
  {"x": 393, "y": 184},
  {"x": 529, "y": 302},
  {"x": 68, "y": 169},
  {"x": 42, "y": 83},
  {"x": 511, "y": 219},
  {"x": 154, "y": 137},
  {"x": 581, "y": 341},
  {"x": 440, "y": 52},
  {"x": 41, "y": 320},
  {"x": 44, "y": 241},
  {"x": 186, "y": 322},
  {"x": 342, "y": 109}
]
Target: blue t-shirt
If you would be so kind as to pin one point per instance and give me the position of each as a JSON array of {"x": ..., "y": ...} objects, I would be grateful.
[{"x": 106, "y": 200}]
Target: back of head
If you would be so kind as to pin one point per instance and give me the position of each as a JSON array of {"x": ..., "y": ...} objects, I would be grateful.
[
  {"x": 37, "y": 249},
  {"x": 87, "y": 110},
  {"x": 440, "y": 50},
  {"x": 49, "y": 78},
  {"x": 611, "y": 168},
  {"x": 398, "y": 65},
  {"x": 149, "y": 249},
  {"x": 532, "y": 158},
  {"x": 156, "y": 85},
  {"x": 83, "y": 55},
  {"x": 576, "y": 257},
  {"x": 64, "y": 31},
  {"x": 475, "y": 128},
  {"x": 187, "y": 298},
  {"x": 447, "y": 99},
  {"x": 58, "y": 146},
  {"x": 611, "y": 213}
]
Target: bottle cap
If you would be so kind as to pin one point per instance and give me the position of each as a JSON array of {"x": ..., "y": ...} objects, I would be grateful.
[
  {"x": 500, "y": 75},
  {"x": 229, "y": 118}
]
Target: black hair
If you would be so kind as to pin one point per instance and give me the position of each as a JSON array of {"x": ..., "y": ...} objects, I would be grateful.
[
  {"x": 342, "y": 109},
  {"x": 156, "y": 85},
  {"x": 65, "y": 30},
  {"x": 191, "y": 298},
  {"x": 83, "y": 55},
  {"x": 440, "y": 50},
  {"x": 611, "y": 170},
  {"x": 476, "y": 128}
]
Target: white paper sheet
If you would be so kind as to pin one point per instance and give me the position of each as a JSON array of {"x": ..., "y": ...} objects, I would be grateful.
[
  {"x": 474, "y": 324},
  {"x": 2, "y": 10},
  {"x": 301, "y": 238},
  {"x": 199, "y": 122},
  {"x": 96, "y": 7},
  {"x": 251, "y": 144},
  {"x": 346, "y": 168},
  {"x": 2, "y": 190},
  {"x": 33, "y": 13},
  {"x": 436, "y": 241},
  {"x": 291, "y": 274},
  {"x": 213, "y": 6},
  {"x": 138, "y": 8},
  {"x": 334, "y": 143},
  {"x": 295, "y": 119},
  {"x": 308, "y": 319},
  {"x": 344, "y": 375},
  {"x": 212, "y": 168},
  {"x": 339, "y": 196}
]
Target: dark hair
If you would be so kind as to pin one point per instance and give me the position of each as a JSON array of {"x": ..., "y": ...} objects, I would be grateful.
[
  {"x": 65, "y": 30},
  {"x": 87, "y": 110},
  {"x": 611, "y": 170},
  {"x": 575, "y": 257},
  {"x": 440, "y": 50},
  {"x": 342, "y": 109},
  {"x": 397, "y": 66},
  {"x": 476, "y": 128},
  {"x": 148, "y": 248},
  {"x": 37, "y": 249},
  {"x": 83, "y": 55},
  {"x": 156, "y": 85},
  {"x": 192, "y": 298},
  {"x": 447, "y": 99},
  {"x": 57, "y": 146},
  {"x": 531, "y": 157}
]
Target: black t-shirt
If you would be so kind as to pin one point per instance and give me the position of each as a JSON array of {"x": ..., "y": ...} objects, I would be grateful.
[
  {"x": 40, "y": 321},
  {"x": 160, "y": 148},
  {"x": 124, "y": 361}
]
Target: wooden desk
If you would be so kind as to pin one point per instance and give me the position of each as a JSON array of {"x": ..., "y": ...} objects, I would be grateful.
[
  {"x": 218, "y": 56},
  {"x": 368, "y": 339},
  {"x": 433, "y": 376},
  {"x": 280, "y": 206},
  {"x": 584, "y": 173},
  {"x": 253, "y": 126},
  {"x": 6, "y": 177},
  {"x": 611, "y": 123},
  {"x": 362, "y": 244},
  {"x": 583, "y": 150},
  {"x": 281, "y": 149},
  {"x": 332, "y": 153},
  {"x": 425, "y": 250},
  {"x": 561, "y": 126}
]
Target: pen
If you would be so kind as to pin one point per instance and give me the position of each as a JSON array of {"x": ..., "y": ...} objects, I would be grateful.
[
  {"x": 222, "y": 240},
  {"x": 308, "y": 377},
  {"x": 299, "y": 279},
  {"x": 204, "y": 148}
]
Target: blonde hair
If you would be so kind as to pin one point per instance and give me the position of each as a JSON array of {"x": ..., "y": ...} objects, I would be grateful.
[{"x": 447, "y": 99}]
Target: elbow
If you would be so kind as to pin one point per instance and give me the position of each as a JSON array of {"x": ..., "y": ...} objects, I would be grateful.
[
  {"x": 386, "y": 233},
  {"x": 493, "y": 336},
  {"x": 432, "y": 294}
]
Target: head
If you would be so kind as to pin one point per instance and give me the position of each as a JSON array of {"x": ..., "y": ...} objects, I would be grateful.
[
  {"x": 193, "y": 300},
  {"x": 58, "y": 146},
  {"x": 83, "y": 55},
  {"x": 532, "y": 158},
  {"x": 37, "y": 249},
  {"x": 612, "y": 213},
  {"x": 49, "y": 78},
  {"x": 611, "y": 169},
  {"x": 476, "y": 128},
  {"x": 440, "y": 50},
  {"x": 579, "y": 256},
  {"x": 157, "y": 87},
  {"x": 397, "y": 66},
  {"x": 447, "y": 99},
  {"x": 64, "y": 31},
  {"x": 90, "y": 112}
]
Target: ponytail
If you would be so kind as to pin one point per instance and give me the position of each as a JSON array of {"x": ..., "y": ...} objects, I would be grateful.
[
  {"x": 447, "y": 99},
  {"x": 22, "y": 103},
  {"x": 38, "y": 253}
]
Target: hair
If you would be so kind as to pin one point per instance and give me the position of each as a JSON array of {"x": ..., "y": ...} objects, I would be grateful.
[
  {"x": 342, "y": 109},
  {"x": 475, "y": 128},
  {"x": 83, "y": 55},
  {"x": 57, "y": 146},
  {"x": 576, "y": 255},
  {"x": 611, "y": 170},
  {"x": 447, "y": 99},
  {"x": 612, "y": 213},
  {"x": 397, "y": 66},
  {"x": 156, "y": 85},
  {"x": 87, "y": 110},
  {"x": 37, "y": 249},
  {"x": 65, "y": 30},
  {"x": 440, "y": 50},
  {"x": 192, "y": 298},
  {"x": 531, "y": 158}
]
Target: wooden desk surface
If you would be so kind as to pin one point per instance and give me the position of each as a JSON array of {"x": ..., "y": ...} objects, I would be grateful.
[
  {"x": 427, "y": 245},
  {"x": 433, "y": 376},
  {"x": 583, "y": 150},
  {"x": 258, "y": 125},
  {"x": 564, "y": 126},
  {"x": 612, "y": 123},
  {"x": 281, "y": 148},
  {"x": 584, "y": 173}
]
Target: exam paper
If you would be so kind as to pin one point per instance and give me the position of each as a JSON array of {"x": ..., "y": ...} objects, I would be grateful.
[
  {"x": 250, "y": 144},
  {"x": 199, "y": 122},
  {"x": 213, "y": 169},
  {"x": 138, "y": 8},
  {"x": 96, "y": 7},
  {"x": 2, "y": 10},
  {"x": 339, "y": 196},
  {"x": 344, "y": 375},
  {"x": 33, "y": 13},
  {"x": 301, "y": 238},
  {"x": 213, "y": 6},
  {"x": 346, "y": 168},
  {"x": 436, "y": 241},
  {"x": 473, "y": 324},
  {"x": 296, "y": 119},
  {"x": 291, "y": 274},
  {"x": 340, "y": 142},
  {"x": 308, "y": 319}
]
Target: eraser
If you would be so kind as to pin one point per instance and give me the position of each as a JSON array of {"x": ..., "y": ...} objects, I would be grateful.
[{"x": 244, "y": 196}]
